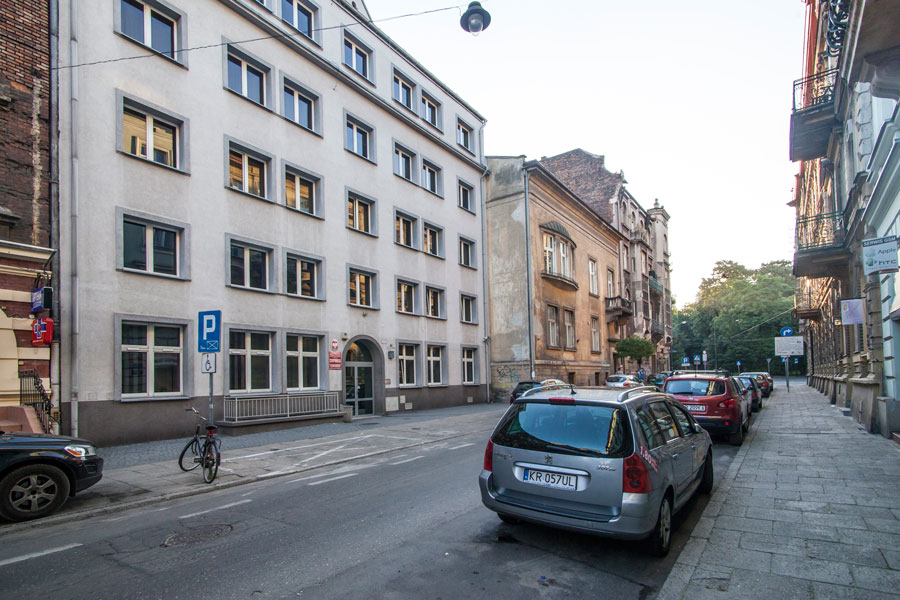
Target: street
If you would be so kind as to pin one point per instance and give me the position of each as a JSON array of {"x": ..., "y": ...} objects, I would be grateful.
[{"x": 403, "y": 524}]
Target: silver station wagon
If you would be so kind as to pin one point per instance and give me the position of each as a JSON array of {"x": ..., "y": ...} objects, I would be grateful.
[{"x": 597, "y": 461}]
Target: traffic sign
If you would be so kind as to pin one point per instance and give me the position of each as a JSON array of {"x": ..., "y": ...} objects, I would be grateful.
[
  {"x": 704, "y": 356},
  {"x": 789, "y": 346},
  {"x": 209, "y": 324},
  {"x": 739, "y": 364},
  {"x": 697, "y": 359},
  {"x": 786, "y": 331},
  {"x": 207, "y": 362},
  {"x": 684, "y": 361}
]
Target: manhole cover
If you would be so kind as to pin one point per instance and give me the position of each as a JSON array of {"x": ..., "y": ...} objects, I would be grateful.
[{"x": 197, "y": 536}]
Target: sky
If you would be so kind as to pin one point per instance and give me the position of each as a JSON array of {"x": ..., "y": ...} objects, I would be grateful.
[{"x": 691, "y": 100}]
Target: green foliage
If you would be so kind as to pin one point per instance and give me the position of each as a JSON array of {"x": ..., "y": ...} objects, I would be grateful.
[
  {"x": 636, "y": 348},
  {"x": 737, "y": 315}
]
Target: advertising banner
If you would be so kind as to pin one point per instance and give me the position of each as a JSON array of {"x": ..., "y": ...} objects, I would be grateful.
[
  {"x": 852, "y": 311},
  {"x": 880, "y": 255}
]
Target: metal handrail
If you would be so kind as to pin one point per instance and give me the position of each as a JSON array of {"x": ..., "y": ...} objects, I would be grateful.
[
  {"x": 815, "y": 90},
  {"x": 36, "y": 397}
]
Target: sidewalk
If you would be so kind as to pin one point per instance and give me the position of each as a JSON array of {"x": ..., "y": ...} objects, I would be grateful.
[
  {"x": 809, "y": 508},
  {"x": 129, "y": 482}
]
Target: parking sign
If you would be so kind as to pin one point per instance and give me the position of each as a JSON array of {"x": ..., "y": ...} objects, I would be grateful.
[{"x": 209, "y": 325}]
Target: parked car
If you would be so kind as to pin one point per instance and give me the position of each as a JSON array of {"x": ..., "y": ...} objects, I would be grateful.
[
  {"x": 717, "y": 402},
  {"x": 756, "y": 393},
  {"x": 622, "y": 381},
  {"x": 762, "y": 381},
  {"x": 39, "y": 472},
  {"x": 522, "y": 387},
  {"x": 658, "y": 379},
  {"x": 615, "y": 464}
]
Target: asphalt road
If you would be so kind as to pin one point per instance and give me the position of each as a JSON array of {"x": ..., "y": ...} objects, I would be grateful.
[{"x": 409, "y": 524}]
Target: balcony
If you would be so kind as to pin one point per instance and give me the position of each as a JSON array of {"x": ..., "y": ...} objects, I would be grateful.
[
  {"x": 640, "y": 235},
  {"x": 617, "y": 308},
  {"x": 656, "y": 287},
  {"x": 820, "y": 246},
  {"x": 813, "y": 118},
  {"x": 559, "y": 280},
  {"x": 657, "y": 330}
]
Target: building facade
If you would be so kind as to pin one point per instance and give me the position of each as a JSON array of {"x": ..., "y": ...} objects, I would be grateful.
[
  {"x": 287, "y": 164},
  {"x": 843, "y": 132},
  {"x": 26, "y": 255},
  {"x": 553, "y": 272},
  {"x": 644, "y": 267}
]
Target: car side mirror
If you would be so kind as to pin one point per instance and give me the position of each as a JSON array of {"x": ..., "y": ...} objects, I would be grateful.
[{"x": 697, "y": 428}]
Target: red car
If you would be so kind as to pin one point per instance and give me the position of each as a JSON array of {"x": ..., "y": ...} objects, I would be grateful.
[{"x": 716, "y": 401}]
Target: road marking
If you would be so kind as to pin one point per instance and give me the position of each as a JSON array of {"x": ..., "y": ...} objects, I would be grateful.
[
  {"x": 10, "y": 561},
  {"x": 460, "y": 446},
  {"x": 115, "y": 519},
  {"x": 400, "y": 462},
  {"x": 203, "y": 512},
  {"x": 333, "y": 478}
]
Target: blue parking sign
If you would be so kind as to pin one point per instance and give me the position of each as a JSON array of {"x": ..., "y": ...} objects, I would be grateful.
[{"x": 209, "y": 326}]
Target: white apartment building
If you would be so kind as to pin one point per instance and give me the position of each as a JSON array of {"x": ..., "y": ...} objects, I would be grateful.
[{"x": 286, "y": 163}]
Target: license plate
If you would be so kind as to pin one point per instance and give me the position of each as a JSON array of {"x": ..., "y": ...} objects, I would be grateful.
[
  {"x": 553, "y": 480},
  {"x": 695, "y": 407}
]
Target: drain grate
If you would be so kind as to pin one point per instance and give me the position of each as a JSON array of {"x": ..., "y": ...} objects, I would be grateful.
[{"x": 197, "y": 535}]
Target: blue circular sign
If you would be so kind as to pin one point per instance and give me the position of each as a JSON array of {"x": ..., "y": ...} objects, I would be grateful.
[{"x": 786, "y": 331}]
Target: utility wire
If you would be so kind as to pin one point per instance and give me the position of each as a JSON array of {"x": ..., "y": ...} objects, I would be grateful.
[{"x": 251, "y": 40}]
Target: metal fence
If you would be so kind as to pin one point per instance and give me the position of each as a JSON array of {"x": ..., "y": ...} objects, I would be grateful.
[
  {"x": 267, "y": 408},
  {"x": 820, "y": 231},
  {"x": 33, "y": 394},
  {"x": 814, "y": 90}
]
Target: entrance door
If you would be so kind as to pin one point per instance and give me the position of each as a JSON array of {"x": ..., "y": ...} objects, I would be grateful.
[{"x": 358, "y": 379}]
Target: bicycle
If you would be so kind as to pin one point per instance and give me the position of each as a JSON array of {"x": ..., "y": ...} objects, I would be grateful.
[{"x": 201, "y": 450}]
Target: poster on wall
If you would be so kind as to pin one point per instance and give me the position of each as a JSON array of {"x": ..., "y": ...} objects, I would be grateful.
[
  {"x": 852, "y": 311},
  {"x": 880, "y": 255}
]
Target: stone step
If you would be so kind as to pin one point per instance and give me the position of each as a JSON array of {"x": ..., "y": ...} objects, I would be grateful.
[
  {"x": 10, "y": 426},
  {"x": 896, "y": 437}
]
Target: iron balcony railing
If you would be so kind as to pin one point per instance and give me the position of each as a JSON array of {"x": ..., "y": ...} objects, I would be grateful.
[
  {"x": 282, "y": 406},
  {"x": 656, "y": 286},
  {"x": 657, "y": 327},
  {"x": 618, "y": 303},
  {"x": 33, "y": 394},
  {"x": 820, "y": 231},
  {"x": 815, "y": 90}
]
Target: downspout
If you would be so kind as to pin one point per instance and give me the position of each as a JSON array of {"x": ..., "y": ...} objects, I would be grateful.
[
  {"x": 73, "y": 217},
  {"x": 484, "y": 268},
  {"x": 53, "y": 190},
  {"x": 528, "y": 278}
]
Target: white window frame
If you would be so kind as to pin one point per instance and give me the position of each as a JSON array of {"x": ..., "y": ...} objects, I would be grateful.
[
  {"x": 164, "y": 11},
  {"x": 467, "y": 191},
  {"x": 594, "y": 277},
  {"x": 246, "y": 156},
  {"x": 406, "y": 224},
  {"x": 360, "y": 66},
  {"x": 150, "y": 143},
  {"x": 298, "y": 176},
  {"x": 436, "y": 293},
  {"x": 469, "y": 253},
  {"x": 431, "y": 177},
  {"x": 433, "y": 245},
  {"x": 359, "y": 276},
  {"x": 468, "y": 304},
  {"x": 247, "y": 63},
  {"x": 407, "y": 364},
  {"x": 352, "y": 143},
  {"x": 469, "y": 366},
  {"x": 317, "y": 274},
  {"x": 407, "y": 172},
  {"x": 248, "y": 352},
  {"x": 182, "y": 241},
  {"x": 549, "y": 254},
  {"x": 397, "y": 86},
  {"x": 569, "y": 324},
  {"x": 292, "y": 21},
  {"x": 247, "y": 249},
  {"x": 300, "y": 354},
  {"x": 552, "y": 326},
  {"x": 610, "y": 283},
  {"x": 149, "y": 254},
  {"x": 565, "y": 260},
  {"x": 407, "y": 301},
  {"x": 595, "y": 333},
  {"x": 429, "y": 105},
  {"x": 296, "y": 94},
  {"x": 358, "y": 200},
  {"x": 435, "y": 365},
  {"x": 465, "y": 136},
  {"x": 150, "y": 350}
]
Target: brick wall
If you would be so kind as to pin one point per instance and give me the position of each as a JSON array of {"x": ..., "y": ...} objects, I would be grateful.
[
  {"x": 24, "y": 119},
  {"x": 586, "y": 175}
]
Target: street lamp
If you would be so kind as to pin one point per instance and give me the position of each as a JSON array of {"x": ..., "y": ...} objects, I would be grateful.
[{"x": 475, "y": 19}]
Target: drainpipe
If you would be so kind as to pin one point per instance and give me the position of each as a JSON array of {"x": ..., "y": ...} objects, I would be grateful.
[
  {"x": 53, "y": 26},
  {"x": 73, "y": 217},
  {"x": 529, "y": 283},
  {"x": 484, "y": 267}
]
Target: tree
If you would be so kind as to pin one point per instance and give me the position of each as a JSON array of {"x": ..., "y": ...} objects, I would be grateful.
[{"x": 636, "y": 348}]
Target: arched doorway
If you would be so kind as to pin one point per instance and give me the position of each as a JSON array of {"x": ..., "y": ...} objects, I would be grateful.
[{"x": 359, "y": 378}]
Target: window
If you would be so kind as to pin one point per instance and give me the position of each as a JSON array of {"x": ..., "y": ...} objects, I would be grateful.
[
  {"x": 431, "y": 110},
  {"x": 404, "y": 162},
  {"x": 435, "y": 365},
  {"x": 595, "y": 334},
  {"x": 152, "y": 359},
  {"x": 549, "y": 254},
  {"x": 249, "y": 361},
  {"x": 650, "y": 428},
  {"x": 431, "y": 177},
  {"x": 467, "y": 309},
  {"x": 405, "y": 230},
  {"x": 149, "y": 27},
  {"x": 406, "y": 364},
  {"x": 406, "y": 297},
  {"x": 465, "y": 197},
  {"x": 643, "y": 262},
  {"x": 553, "y": 326},
  {"x": 610, "y": 284},
  {"x": 359, "y": 213},
  {"x": 594, "y": 277},
  {"x": 569, "y": 323},
  {"x": 434, "y": 302},
  {"x": 302, "y": 277},
  {"x": 468, "y": 366},
  {"x": 466, "y": 252},
  {"x": 433, "y": 238},
  {"x": 149, "y": 137},
  {"x": 403, "y": 91},
  {"x": 150, "y": 249},
  {"x": 247, "y": 78},
  {"x": 356, "y": 57},
  {"x": 664, "y": 419},
  {"x": 299, "y": 107},
  {"x": 557, "y": 256},
  {"x": 358, "y": 138},
  {"x": 299, "y": 192},
  {"x": 249, "y": 266},
  {"x": 298, "y": 15},
  {"x": 302, "y": 362},
  {"x": 564, "y": 260},
  {"x": 361, "y": 288},
  {"x": 464, "y": 136},
  {"x": 625, "y": 258},
  {"x": 246, "y": 172}
]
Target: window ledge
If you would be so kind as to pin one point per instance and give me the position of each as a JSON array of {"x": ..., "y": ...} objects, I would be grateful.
[
  {"x": 438, "y": 256},
  {"x": 300, "y": 212},
  {"x": 465, "y": 266},
  {"x": 175, "y": 62},
  {"x": 360, "y": 307},
  {"x": 407, "y": 180},
  {"x": 469, "y": 150},
  {"x": 438, "y": 194},
  {"x": 360, "y": 156},
  {"x": 357, "y": 74},
  {"x": 299, "y": 297},
  {"x": 249, "y": 195},
  {"x": 441, "y": 318},
  {"x": 408, "y": 109},
  {"x": 151, "y": 274},
  {"x": 250, "y": 100},
  {"x": 303, "y": 127},
  {"x": 147, "y": 161},
  {"x": 408, "y": 314},
  {"x": 438, "y": 385},
  {"x": 593, "y": 295},
  {"x": 470, "y": 384},
  {"x": 468, "y": 210},
  {"x": 373, "y": 235},
  {"x": 469, "y": 322},
  {"x": 413, "y": 248},
  {"x": 249, "y": 289},
  {"x": 153, "y": 398}
]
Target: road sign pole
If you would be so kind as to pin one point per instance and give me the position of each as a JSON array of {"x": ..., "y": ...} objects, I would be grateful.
[
  {"x": 787, "y": 378},
  {"x": 211, "y": 421}
]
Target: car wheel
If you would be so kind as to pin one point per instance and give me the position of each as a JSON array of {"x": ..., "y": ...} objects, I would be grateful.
[
  {"x": 508, "y": 519},
  {"x": 706, "y": 481},
  {"x": 661, "y": 539},
  {"x": 33, "y": 491},
  {"x": 737, "y": 438}
]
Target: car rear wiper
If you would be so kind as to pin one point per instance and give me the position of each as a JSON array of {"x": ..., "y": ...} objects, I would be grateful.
[{"x": 565, "y": 448}]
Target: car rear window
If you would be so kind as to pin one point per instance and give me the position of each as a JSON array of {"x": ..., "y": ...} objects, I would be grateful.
[
  {"x": 615, "y": 378},
  {"x": 695, "y": 387},
  {"x": 566, "y": 429}
]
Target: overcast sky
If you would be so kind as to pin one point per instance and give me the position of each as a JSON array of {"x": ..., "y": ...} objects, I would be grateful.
[{"x": 690, "y": 99}]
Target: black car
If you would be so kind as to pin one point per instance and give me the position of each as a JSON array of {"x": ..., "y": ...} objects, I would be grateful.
[
  {"x": 522, "y": 387},
  {"x": 39, "y": 472}
]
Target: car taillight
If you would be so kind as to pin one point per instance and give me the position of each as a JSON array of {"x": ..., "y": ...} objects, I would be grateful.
[
  {"x": 635, "y": 476},
  {"x": 562, "y": 400},
  {"x": 728, "y": 403},
  {"x": 489, "y": 456}
]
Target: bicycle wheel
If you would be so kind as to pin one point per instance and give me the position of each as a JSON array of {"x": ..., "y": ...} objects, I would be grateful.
[
  {"x": 210, "y": 461},
  {"x": 190, "y": 456}
]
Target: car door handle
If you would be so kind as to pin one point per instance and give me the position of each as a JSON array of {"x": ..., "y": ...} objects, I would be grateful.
[{"x": 675, "y": 456}]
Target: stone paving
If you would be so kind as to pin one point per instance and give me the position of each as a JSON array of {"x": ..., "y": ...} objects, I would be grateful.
[{"x": 809, "y": 508}]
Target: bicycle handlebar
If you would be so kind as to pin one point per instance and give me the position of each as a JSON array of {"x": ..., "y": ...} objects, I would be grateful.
[{"x": 196, "y": 412}]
